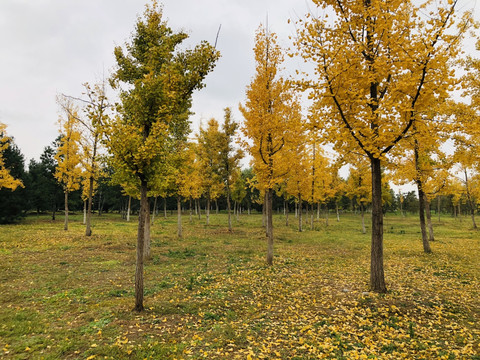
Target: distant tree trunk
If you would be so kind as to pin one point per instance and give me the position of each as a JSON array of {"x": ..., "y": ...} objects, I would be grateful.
[
  {"x": 100, "y": 204},
  {"x": 84, "y": 212},
  {"x": 179, "y": 217},
  {"x": 377, "y": 275},
  {"x": 54, "y": 210},
  {"x": 336, "y": 210},
  {"x": 311, "y": 217},
  {"x": 129, "y": 209},
  {"x": 296, "y": 209},
  {"x": 264, "y": 210},
  {"x": 65, "y": 226},
  {"x": 438, "y": 206},
  {"x": 300, "y": 228},
  {"x": 269, "y": 216},
  {"x": 140, "y": 246},
  {"x": 362, "y": 208},
  {"x": 207, "y": 209},
  {"x": 146, "y": 248},
  {"x": 154, "y": 211},
  {"x": 326, "y": 215},
  {"x": 429, "y": 220},
  {"x": 88, "y": 227},
  {"x": 195, "y": 206},
  {"x": 217, "y": 209},
  {"x": 190, "y": 208},
  {"x": 229, "y": 208},
  {"x": 199, "y": 209},
  {"x": 165, "y": 207},
  {"x": 286, "y": 213}
]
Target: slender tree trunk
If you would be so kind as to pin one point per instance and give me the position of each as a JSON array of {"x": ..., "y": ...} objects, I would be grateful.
[
  {"x": 190, "y": 208},
  {"x": 269, "y": 216},
  {"x": 421, "y": 201},
  {"x": 286, "y": 213},
  {"x": 229, "y": 208},
  {"x": 207, "y": 210},
  {"x": 337, "y": 212},
  {"x": 217, "y": 209},
  {"x": 300, "y": 228},
  {"x": 296, "y": 209},
  {"x": 154, "y": 211},
  {"x": 377, "y": 276},
  {"x": 429, "y": 220},
  {"x": 88, "y": 227},
  {"x": 326, "y": 215},
  {"x": 199, "y": 209},
  {"x": 65, "y": 226},
  {"x": 140, "y": 246},
  {"x": 264, "y": 210},
  {"x": 165, "y": 207},
  {"x": 129, "y": 208},
  {"x": 54, "y": 210},
  {"x": 438, "y": 206},
  {"x": 179, "y": 217},
  {"x": 311, "y": 217},
  {"x": 195, "y": 206},
  {"x": 84, "y": 212},
  {"x": 146, "y": 247},
  {"x": 362, "y": 208}
]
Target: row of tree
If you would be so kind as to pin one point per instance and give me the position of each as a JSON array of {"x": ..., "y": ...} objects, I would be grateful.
[{"x": 380, "y": 96}]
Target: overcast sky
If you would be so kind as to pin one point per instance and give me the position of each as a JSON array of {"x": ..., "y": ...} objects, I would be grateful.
[{"x": 50, "y": 47}]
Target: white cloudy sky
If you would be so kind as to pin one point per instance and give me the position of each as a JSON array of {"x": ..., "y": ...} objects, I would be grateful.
[{"x": 54, "y": 46}]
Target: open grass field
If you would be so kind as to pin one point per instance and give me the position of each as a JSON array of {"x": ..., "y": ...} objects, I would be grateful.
[{"x": 210, "y": 295}]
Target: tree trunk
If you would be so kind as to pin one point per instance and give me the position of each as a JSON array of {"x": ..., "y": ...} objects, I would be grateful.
[
  {"x": 199, "y": 209},
  {"x": 179, "y": 217},
  {"x": 421, "y": 202},
  {"x": 300, "y": 228},
  {"x": 154, "y": 211},
  {"x": 264, "y": 210},
  {"x": 228, "y": 208},
  {"x": 337, "y": 212},
  {"x": 100, "y": 204},
  {"x": 129, "y": 207},
  {"x": 311, "y": 217},
  {"x": 190, "y": 210},
  {"x": 439, "y": 198},
  {"x": 88, "y": 227},
  {"x": 207, "y": 209},
  {"x": 362, "y": 208},
  {"x": 65, "y": 225},
  {"x": 84, "y": 212},
  {"x": 165, "y": 207},
  {"x": 146, "y": 247},
  {"x": 269, "y": 216},
  {"x": 326, "y": 215},
  {"x": 286, "y": 213},
  {"x": 429, "y": 220},
  {"x": 140, "y": 246},
  {"x": 217, "y": 210},
  {"x": 377, "y": 276}
]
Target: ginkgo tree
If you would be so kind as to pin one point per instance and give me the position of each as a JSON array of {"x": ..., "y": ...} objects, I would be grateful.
[
  {"x": 6, "y": 179},
  {"x": 376, "y": 64},
  {"x": 68, "y": 171},
  {"x": 155, "y": 80},
  {"x": 270, "y": 111}
]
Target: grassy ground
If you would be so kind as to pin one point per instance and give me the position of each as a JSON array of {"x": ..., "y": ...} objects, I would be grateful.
[{"x": 210, "y": 295}]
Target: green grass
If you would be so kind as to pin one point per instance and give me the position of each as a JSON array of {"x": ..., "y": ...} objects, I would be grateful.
[{"x": 210, "y": 295}]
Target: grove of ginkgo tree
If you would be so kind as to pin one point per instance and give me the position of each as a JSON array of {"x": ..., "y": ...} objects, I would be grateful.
[{"x": 377, "y": 63}]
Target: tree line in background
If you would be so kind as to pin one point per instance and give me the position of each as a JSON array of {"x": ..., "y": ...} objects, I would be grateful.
[{"x": 380, "y": 102}]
